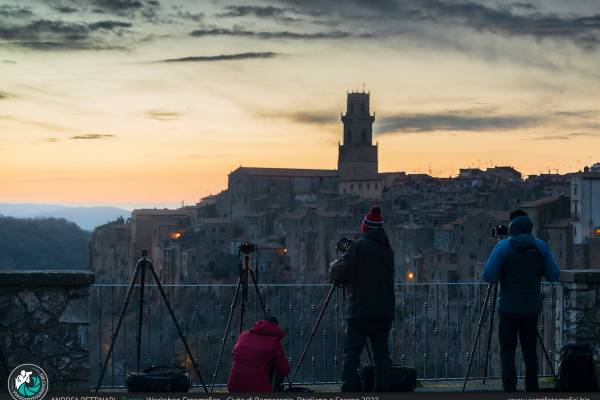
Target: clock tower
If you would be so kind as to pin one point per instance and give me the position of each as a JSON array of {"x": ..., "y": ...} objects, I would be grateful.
[{"x": 357, "y": 157}]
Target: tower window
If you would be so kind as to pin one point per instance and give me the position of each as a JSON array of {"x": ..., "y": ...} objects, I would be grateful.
[
  {"x": 362, "y": 108},
  {"x": 364, "y": 135},
  {"x": 349, "y": 135}
]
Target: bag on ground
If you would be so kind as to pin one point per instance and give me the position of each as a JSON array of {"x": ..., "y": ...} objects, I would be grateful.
[
  {"x": 402, "y": 379},
  {"x": 576, "y": 370},
  {"x": 160, "y": 378}
]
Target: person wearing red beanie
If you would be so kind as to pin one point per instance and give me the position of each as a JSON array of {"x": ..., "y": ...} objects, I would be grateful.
[{"x": 366, "y": 270}]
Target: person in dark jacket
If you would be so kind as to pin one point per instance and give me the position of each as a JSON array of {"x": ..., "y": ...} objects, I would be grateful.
[
  {"x": 518, "y": 264},
  {"x": 366, "y": 271},
  {"x": 255, "y": 354}
]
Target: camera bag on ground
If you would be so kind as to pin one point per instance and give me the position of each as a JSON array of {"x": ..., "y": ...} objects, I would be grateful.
[
  {"x": 576, "y": 370},
  {"x": 161, "y": 378},
  {"x": 402, "y": 379}
]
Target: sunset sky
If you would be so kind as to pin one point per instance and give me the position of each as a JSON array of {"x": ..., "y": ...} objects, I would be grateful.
[{"x": 145, "y": 102}]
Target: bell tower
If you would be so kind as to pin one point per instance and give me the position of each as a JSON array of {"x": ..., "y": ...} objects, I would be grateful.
[{"x": 357, "y": 157}]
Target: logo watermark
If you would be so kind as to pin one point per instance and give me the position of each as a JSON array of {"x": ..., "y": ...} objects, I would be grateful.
[{"x": 28, "y": 382}]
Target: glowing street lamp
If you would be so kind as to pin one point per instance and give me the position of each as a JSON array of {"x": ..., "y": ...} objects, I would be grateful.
[{"x": 410, "y": 276}]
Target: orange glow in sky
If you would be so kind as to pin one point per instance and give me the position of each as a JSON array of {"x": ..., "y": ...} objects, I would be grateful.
[{"x": 107, "y": 119}]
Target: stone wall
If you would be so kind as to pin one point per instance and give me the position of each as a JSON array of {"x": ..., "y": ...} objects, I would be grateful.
[
  {"x": 580, "y": 305},
  {"x": 44, "y": 320}
]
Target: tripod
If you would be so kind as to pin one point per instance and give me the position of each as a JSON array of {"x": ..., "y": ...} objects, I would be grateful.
[
  {"x": 141, "y": 266},
  {"x": 493, "y": 287},
  {"x": 242, "y": 285},
  {"x": 343, "y": 245},
  {"x": 314, "y": 331}
]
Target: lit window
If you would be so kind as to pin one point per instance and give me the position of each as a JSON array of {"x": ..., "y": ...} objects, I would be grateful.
[{"x": 597, "y": 232}]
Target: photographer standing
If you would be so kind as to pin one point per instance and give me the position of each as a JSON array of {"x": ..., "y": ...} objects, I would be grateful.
[
  {"x": 366, "y": 271},
  {"x": 518, "y": 264}
]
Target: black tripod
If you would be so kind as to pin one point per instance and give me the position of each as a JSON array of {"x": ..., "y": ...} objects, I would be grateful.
[
  {"x": 140, "y": 269},
  {"x": 493, "y": 287},
  {"x": 242, "y": 285}
]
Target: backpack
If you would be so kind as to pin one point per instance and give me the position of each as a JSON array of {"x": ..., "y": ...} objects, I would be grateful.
[
  {"x": 576, "y": 370},
  {"x": 162, "y": 378},
  {"x": 402, "y": 379}
]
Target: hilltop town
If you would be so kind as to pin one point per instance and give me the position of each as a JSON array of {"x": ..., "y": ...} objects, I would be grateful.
[{"x": 439, "y": 227}]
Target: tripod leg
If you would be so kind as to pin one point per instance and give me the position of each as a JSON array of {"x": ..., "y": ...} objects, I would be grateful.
[
  {"x": 227, "y": 326},
  {"x": 489, "y": 343},
  {"x": 548, "y": 360},
  {"x": 369, "y": 353},
  {"x": 262, "y": 303},
  {"x": 312, "y": 334},
  {"x": 481, "y": 317},
  {"x": 113, "y": 339},
  {"x": 177, "y": 327},
  {"x": 244, "y": 298},
  {"x": 140, "y": 314}
]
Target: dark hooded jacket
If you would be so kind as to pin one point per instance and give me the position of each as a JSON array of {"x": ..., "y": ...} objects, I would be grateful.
[
  {"x": 366, "y": 271},
  {"x": 254, "y": 354},
  {"x": 518, "y": 263}
]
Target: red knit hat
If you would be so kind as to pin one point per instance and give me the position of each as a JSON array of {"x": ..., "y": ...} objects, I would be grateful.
[{"x": 373, "y": 220}]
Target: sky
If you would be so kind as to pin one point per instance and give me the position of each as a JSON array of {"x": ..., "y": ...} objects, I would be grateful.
[{"x": 135, "y": 102}]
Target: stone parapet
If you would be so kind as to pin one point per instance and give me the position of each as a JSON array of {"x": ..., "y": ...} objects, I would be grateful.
[{"x": 44, "y": 320}]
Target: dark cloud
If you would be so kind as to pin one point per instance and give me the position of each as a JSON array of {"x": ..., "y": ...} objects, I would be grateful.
[
  {"x": 257, "y": 11},
  {"x": 52, "y": 140},
  {"x": 224, "y": 57},
  {"x": 453, "y": 121},
  {"x": 566, "y": 136},
  {"x": 306, "y": 117},
  {"x": 53, "y": 34},
  {"x": 120, "y": 5},
  {"x": 66, "y": 9},
  {"x": 17, "y": 12},
  {"x": 520, "y": 19},
  {"x": 278, "y": 34},
  {"x": 109, "y": 25},
  {"x": 92, "y": 136},
  {"x": 469, "y": 120},
  {"x": 186, "y": 15},
  {"x": 162, "y": 115},
  {"x": 4, "y": 95},
  {"x": 277, "y": 13},
  {"x": 8, "y": 62},
  {"x": 147, "y": 9}
]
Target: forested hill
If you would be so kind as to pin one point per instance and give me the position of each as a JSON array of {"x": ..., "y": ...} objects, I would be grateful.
[{"x": 45, "y": 243}]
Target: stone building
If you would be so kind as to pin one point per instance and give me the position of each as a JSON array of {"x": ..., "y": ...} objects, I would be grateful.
[
  {"x": 438, "y": 227},
  {"x": 585, "y": 214}
]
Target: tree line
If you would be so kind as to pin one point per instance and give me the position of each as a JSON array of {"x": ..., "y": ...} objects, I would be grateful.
[{"x": 42, "y": 243}]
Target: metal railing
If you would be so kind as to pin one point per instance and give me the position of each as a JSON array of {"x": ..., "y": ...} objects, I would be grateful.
[{"x": 433, "y": 330}]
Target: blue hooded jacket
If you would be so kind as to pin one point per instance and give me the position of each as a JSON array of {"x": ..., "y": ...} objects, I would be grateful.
[{"x": 518, "y": 263}]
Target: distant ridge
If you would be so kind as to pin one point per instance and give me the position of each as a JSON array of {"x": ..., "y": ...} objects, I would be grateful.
[{"x": 86, "y": 218}]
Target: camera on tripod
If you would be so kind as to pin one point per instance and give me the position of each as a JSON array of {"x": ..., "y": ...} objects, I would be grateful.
[
  {"x": 499, "y": 231},
  {"x": 343, "y": 244},
  {"x": 248, "y": 248}
]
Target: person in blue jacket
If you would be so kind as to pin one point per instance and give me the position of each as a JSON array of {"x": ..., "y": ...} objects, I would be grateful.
[{"x": 518, "y": 263}]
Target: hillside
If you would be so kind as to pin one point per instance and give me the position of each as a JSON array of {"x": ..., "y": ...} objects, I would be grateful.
[
  {"x": 42, "y": 244},
  {"x": 85, "y": 217}
]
